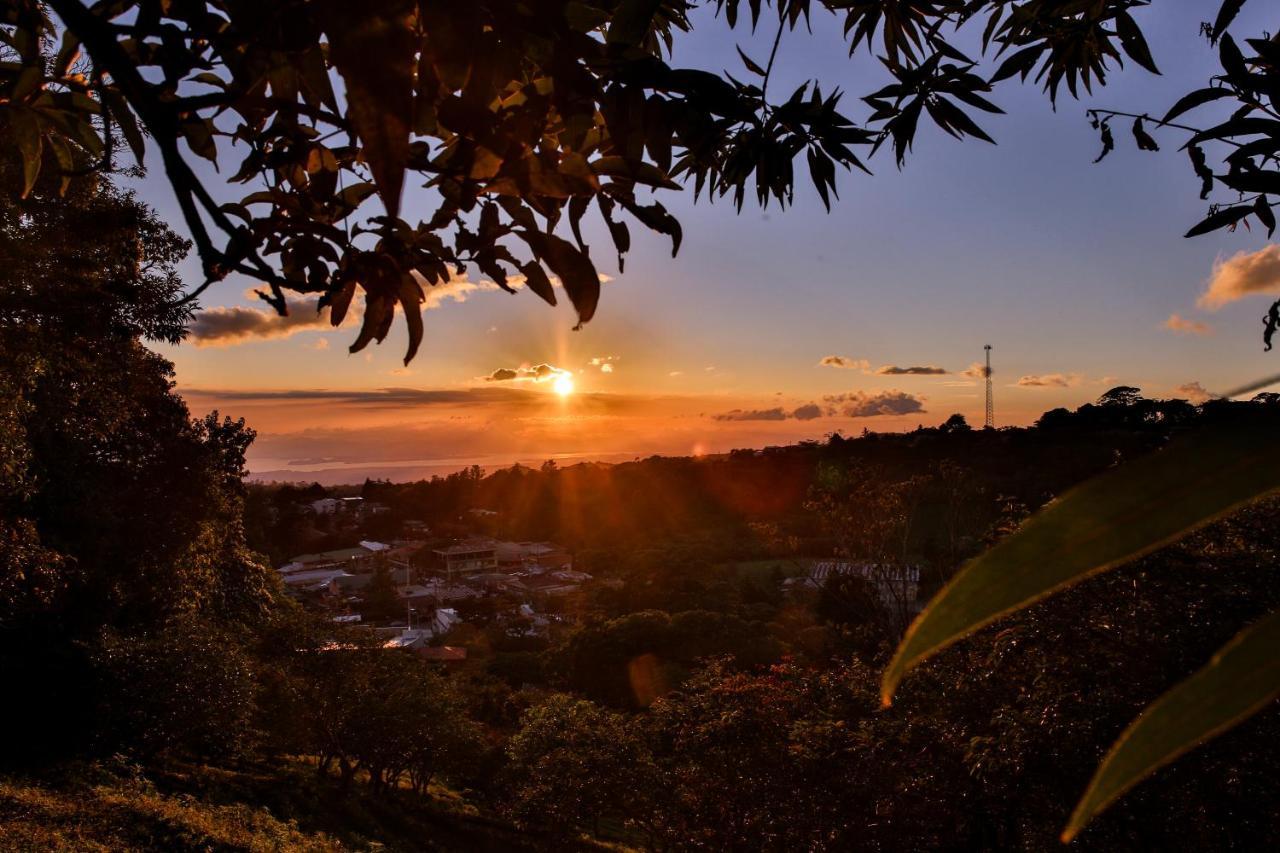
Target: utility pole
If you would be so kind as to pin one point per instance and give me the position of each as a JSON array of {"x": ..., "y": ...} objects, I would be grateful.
[{"x": 991, "y": 406}]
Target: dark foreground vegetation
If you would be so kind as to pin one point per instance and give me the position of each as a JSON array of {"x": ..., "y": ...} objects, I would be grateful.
[{"x": 163, "y": 692}]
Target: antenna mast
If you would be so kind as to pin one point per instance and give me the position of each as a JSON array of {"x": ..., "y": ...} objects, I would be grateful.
[{"x": 991, "y": 407}]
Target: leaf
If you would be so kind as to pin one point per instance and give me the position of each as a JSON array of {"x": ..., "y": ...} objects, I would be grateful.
[
  {"x": 656, "y": 217},
  {"x": 535, "y": 278},
  {"x": 1194, "y": 99},
  {"x": 1241, "y": 679},
  {"x": 1133, "y": 42},
  {"x": 1111, "y": 519},
  {"x": 340, "y": 301},
  {"x": 1108, "y": 142},
  {"x": 119, "y": 110},
  {"x": 750, "y": 64},
  {"x": 632, "y": 21},
  {"x": 1144, "y": 140},
  {"x": 410, "y": 296},
  {"x": 576, "y": 272},
  {"x": 372, "y": 45},
  {"x": 1226, "y": 14},
  {"x": 26, "y": 128},
  {"x": 1220, "y": 219},
  {"x": 1262, "y": 209}
]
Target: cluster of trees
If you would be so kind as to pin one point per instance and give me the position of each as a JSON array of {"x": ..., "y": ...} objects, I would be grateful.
[{"x": 985, "y": 749}]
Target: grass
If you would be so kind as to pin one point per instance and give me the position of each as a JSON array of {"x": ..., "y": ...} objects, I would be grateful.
[{"x": 254, "y": 806}]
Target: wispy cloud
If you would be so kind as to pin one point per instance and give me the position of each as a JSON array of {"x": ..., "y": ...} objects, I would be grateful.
[
  {"x": 976, "y": 370},
  {"x": 844, "y": 362},
  {"x": 860, "y": 404},
  {"x": 1178, "y": 323},
  {"x": 1050, "y": 380},
  {"x": 894, "y": 370},
  {"x": 1241, "y": 275}
]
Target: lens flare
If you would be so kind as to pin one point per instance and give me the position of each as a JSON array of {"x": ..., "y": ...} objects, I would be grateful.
[{"x": 563, "y": 385}]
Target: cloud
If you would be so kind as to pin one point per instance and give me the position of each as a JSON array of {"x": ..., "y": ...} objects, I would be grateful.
[
  {"x": 676, "y": 373},
  {"x": 1050, "y": 380},
  {"x": 237, "y": 324},
  {"x": 806, "y": 412},
  {"x": 775, "y": 414},
  {"x": 894, "y": 370},
  {"x": 1178, "y": 323},
  {"x": 604, "y": 362},
  {"x": 1193, "y": 391},
  {"x": 977, "y": 370},
  {"x": 844, "y": 362},
  {"x": 860, "y": 404},
  {"x": 537, "y": 373},
  {"x": 1241, "y": 275},
  {"x": 228, "y": 326}
]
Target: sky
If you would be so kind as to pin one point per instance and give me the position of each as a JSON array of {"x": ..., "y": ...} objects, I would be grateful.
[{"x": 780, "y": 325}]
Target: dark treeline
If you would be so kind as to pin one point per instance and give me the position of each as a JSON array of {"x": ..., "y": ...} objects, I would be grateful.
[{"x": 684, "y": 702}]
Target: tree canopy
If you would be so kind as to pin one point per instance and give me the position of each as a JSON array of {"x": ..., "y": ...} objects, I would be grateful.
[{"x": 509, "y": 118}]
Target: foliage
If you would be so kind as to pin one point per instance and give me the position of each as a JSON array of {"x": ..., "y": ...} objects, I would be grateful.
[
  {"x": 1110, "y": 520},
  {"x": 515, "y": 116},
  {"x": 119, "y": 512}
]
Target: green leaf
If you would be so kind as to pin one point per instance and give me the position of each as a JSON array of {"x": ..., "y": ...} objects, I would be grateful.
[
  {"x": 26, "y": 130},
  {"x": 1109, "y": 520},
  {"x": 1240, "y": 680}
]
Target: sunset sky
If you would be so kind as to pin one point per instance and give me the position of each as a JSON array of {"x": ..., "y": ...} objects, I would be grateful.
[{"x": 1076, "y": 274}]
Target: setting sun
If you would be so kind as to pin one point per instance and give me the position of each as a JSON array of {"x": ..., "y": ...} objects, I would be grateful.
[{"x": 563, "y": 385}]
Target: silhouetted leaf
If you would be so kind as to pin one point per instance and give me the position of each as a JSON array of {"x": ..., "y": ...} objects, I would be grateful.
[
  {"x": 1122, "y": 514},
  {"x": 371, "y": 44},
  {"x": 535, "y": 277},
  {"x": 1226, "y": 14},
  {"x": 632, "y": 21},
  {"x": 1220, "y": 219},
  {"x": 1262, "y": 209},
  {"x": 1134, "y": 43},
  {"x": 577, "y": 274},
  {"x": 411, "y": 301},
  {"x": 1194, "y": 99},
  {"x": 1108, "y": 142},
  {"x": 1144, "y": 140},
  {"x": 1241, "y": 679}
]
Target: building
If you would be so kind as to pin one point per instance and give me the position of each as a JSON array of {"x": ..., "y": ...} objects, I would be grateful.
[
  {"x": 325, "y": 506},
  {"x": 467, "y": 557},
  {"x": 357, "y": 559},
  {"x": 532, "y": 556}
]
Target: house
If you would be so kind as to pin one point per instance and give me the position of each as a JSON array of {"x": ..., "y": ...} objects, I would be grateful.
[
  {"x": 358, "y": 559},
  {"x": 325, "y": 506},
  {"x": 325, "y": 579},
  {"x": 416, "y": 527},
  {"x": 476, "y": 556},
  {"x": 532, "y": 555}
]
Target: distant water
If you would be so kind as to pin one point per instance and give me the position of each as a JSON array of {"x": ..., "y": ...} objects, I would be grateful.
[{"x": 334, "y": 472}]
